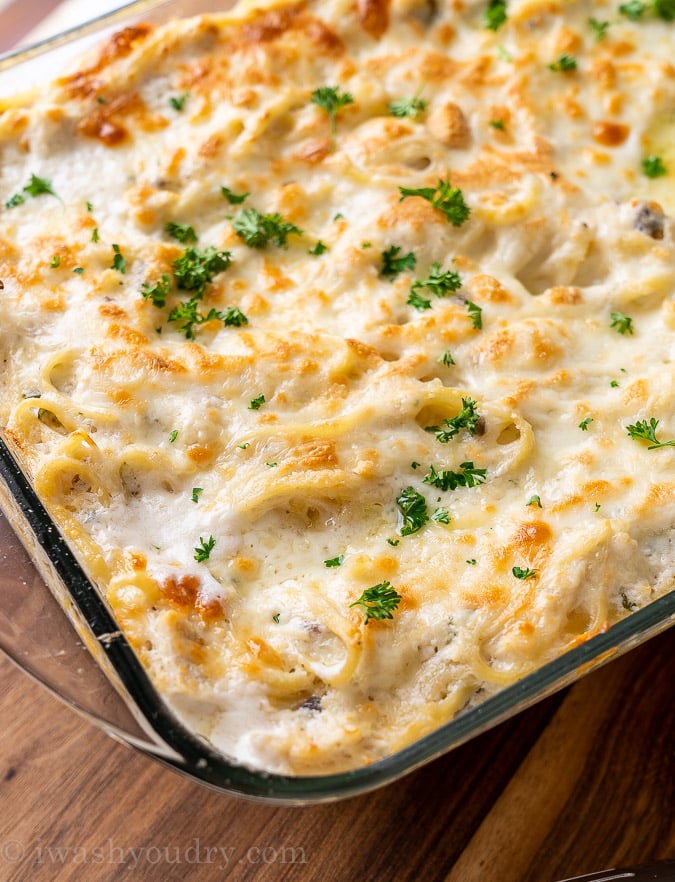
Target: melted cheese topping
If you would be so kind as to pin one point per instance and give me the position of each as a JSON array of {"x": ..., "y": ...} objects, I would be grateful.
[{"x": 229, "y": 445}]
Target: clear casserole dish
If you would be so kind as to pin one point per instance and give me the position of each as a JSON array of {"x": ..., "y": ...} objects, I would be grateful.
[{"x": 108, "y": 683}]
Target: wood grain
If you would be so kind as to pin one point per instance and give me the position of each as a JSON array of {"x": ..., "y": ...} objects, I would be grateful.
[{"x": 584, "y": 780}]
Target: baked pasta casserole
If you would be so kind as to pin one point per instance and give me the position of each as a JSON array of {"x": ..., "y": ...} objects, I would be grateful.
[{"x": 337, "y": 338}]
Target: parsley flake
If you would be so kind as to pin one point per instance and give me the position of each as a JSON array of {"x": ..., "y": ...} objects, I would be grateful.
[
  {"x": 621, "y": 323},
  {"x": 467, "y": 418},
  {"x": 468, "y": 476},
  {"x": 204, "y": 549},
  {"x": 256, "y": 403},
  {"x": 183, "y": 232},
  {"x": 257, "y": 229},
  {"x": 444, "y": 197},
  {"x": 173, "y": 436},
  {"x": 407, "y": 107},
  {"x": 119, "y": 263},
  {"x": 441, "y": 516},
  {"x": 446, "y": 358},
  {"x": 439, "y": 282},
  {"x": 392, "y": 265},
  {"x": 196, "y": 493},
  {"x": 495, "y": 15},
  {"x": 233, "y": 198},
  {"x": 564, "y": 64},
  {"x": 330, "y": 99},
  {"x": 646, "y": 431},
  {"x": 471, "y": 561},
  {"x": 378, "y": 602},
  {"x": 16, "y": 199},
  {"x": 56, "y": 261},
  {"x": 94, "y": 235},
  {"x": 158, "y": 292},
  {"x": 653, "y": 167},
  {"x": 39, "y": 187},
  {"x": 413, "y": 511},
  {"x": 498, "y": 124},
  {"x": 524, "y": 573},
  {"x": 194, "y": 269},
  {"x": 599, "y": 28},
  {"x": 334, "y": 561},
  {"x": 319, "y": 249},
  {"x": 475, "y": 314},
  {"x": 633, "y": 10},
  {"x": 178, "y": 101},
  {"x": 584, "y": 424},
  {"x": 534, "y": 500}
]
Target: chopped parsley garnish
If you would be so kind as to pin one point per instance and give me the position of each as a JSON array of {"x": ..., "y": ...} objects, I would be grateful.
[
  {"x": 584, "y": 424},
  {"x": 319, "y": 249},
  {"x": 89, "y": 206},
  {"x": 439, "y": 282},
  {"x": 441, "y": 516},
  {"x": 330, "y": 99},
  {"x": 256, "y": 403},
  {"x": 271, "y": 465},
  {"x": 407, "y": 107},
  {"x": 495, "y": 14},
  {"x": 471, "y": 561},
  {"x": 626, "y": 603},
  {"x": 257, "y": 230},
  {"x": 646, "y": 431},
  {"x": 56, "y": 261},
  {"x": 621, "y": 323},
  {"x": 534, "y": 500},
  {"x": 196, "y": 493},
  {"x": 173, "y": 436},
  {"x": 378, "y": 602},
  {"x": 467, "y": 418},
  {"x": 94, "y": 235},
  {"x": 653, "y": 167},
  {"x": 413, "y": 509},
  {"x": 564, "y": 64},
  {"x": 597, "y": 506},
  {"x": 183, "y": 232},
  {"x": 633, "y": 10},
  {"x": 35, "y": 187},
  {"x": 524, "y": 573},
  {"x": 16, "y": 199},
  {"x": 392, "y": 265},
  {"x": 119, "y": 263},
  {"x": 420, "y": 303},
  {"x": 365, "y": 245},
  {"x": 194, "y": 269},
  {"x": 334, "y": 561},
  {"x": 394, "y": 542},
  {"x": 446, "y": 358},
  {"x": 599, "y": 28},
  {"x": 157, "y": 292},
  {"x": 204, "y": 549},
  {"x": 475, "y": 314},
  {"x": 79, "y": 270},
  {"x": 504, "y": 54},
  {"x": 275, "y": 618},
  {"x": 188, "y": 313},
  {"x": 178, "y": 101},
  {"x": 665, "y": 9},
  {"x": 469, "y": 476},
  {"x": 614, "y": 384},
  {"x": 39, "y": 187},
  {"x": 497, "y": 124},
  {"x": 233, "y": 198},
  {"x": 444, "y": 197}
]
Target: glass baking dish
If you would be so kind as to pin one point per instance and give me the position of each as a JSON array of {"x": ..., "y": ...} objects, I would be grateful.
[{"x": 56, "y": 626}]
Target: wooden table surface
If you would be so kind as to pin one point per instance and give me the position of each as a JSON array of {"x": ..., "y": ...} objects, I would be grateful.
[{"x": 581, "y": 782}]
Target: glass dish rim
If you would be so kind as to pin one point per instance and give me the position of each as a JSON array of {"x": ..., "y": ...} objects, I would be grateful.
[{"x": 188, "y": 753}]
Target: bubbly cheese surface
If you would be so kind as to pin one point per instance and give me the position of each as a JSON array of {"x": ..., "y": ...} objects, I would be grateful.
[{"x": 259, "y": 383}]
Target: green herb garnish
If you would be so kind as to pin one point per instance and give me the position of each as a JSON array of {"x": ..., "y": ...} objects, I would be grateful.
[
  {"x": 183, "y": 232},
  {"x": 524, "y": 573},
  {"x": 467, "y": 418},
  {"x": 444, "y": 197},
  {"x": 621, "y": 323},
  {"x": 653, "y": 167},
  {"x": 119, "y": 263},
  {"x": 335, "y": 561},
  {"x": 413, "y": 509},
  {"x": 256, "y": 403},
  {"x": 330, "y": 99},
  {"x": 495, "y": 15},
  {"x": 646, "y": 431},
  {"x": 564, "y": 64},
  {"x": 233, "y": 198},
  {"x": 204, "y": 549},
  {"x": 392, "y": 265},
  {"x": 378, "y": 602},
  {"x": 407, "y": 107},
  {"x": 257, "y": 230},
  {"x": 468, "y": 476}
]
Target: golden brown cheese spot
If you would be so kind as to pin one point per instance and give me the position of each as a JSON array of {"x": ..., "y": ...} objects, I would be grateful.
[
  {"x": 637, "y": 393},
  {"x": 563, "y": 295},
  {"x": 183, "y": 592},
  {"x": 203, "y": 454},
  {"x": 484, "y": 596},
  {"x": 129, "y": 335},
  {"x": 489, "y": 289},
  {"x": 315, "y": 453},
  {"x": 533, "y": 539},
  {"x": 104, "y": 123},
  {"x": 112, "y": 310},
  {"x": 119, "y": 45},
  {"x": 313, "y": 151},
  {"x": 610, "y": 134},
  {"x": 604, "y": 72},
  {"x": 436, "y": 67},
  {"x": 567, "y": 42},
  {"x": 448, "y": 125},
  {"x": 373, "y": 16},
  {"x": 418, "y": 213}
]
